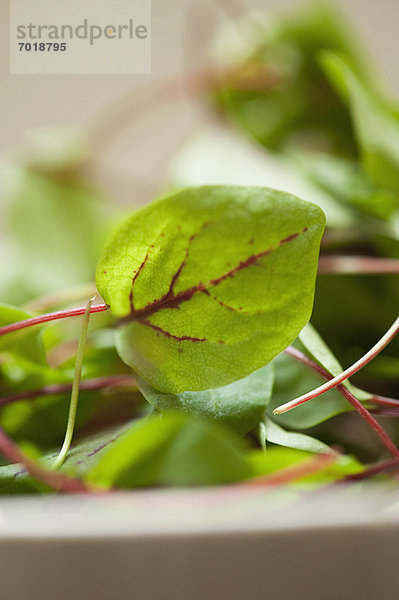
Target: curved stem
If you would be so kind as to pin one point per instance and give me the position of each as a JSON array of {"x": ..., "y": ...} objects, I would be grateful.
[
  {"x": 59, "y": 314},
  {"x": 75, "y": 388},
  {"x": 357, "y": 405},
  {"x": 379, "y": 346}
]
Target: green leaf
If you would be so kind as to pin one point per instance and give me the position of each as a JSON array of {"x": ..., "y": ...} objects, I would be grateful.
[
  {"x": 376, "y": 123},
  {"x": 240, "y": 405},
  {"x": 344, "y": 180},
  {"x": 25, "y": 343},
  {"x": 275, "y": 459},
  {"x": 265, "y": 463},
  {"x": 280, "y": 94},
  {"x": 273, "y": 433},
  {"x": 57, "y": 223},
  {"x": 175, "y": 449},
  {"x": 213, "y": 283}
]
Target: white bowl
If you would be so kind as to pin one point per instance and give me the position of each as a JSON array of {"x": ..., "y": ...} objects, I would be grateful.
[{"x": 231, "y": 543}]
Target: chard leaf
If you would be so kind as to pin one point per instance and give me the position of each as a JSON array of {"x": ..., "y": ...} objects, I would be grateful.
[
  {"x": 213, "y": 282},
  {"x": 175, "y": 449},
  {"x": 273, "y": 433},
  {"x": 240, "y": 405}
]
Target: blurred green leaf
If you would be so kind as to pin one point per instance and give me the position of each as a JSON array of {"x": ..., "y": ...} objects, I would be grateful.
[
  {"x": 57, "y": 223},
  {"x": 344, "y": 180},
  {"x": 25, "y": 343},
  {"x": 175, "y": 449},
  {"x": 284, "y": 98},
  {"x": 266, "y": 463},
  {"x": 376, "y": 124}
]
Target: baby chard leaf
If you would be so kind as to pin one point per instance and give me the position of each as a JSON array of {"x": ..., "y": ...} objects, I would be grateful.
[{"x": 211, "y": 283}]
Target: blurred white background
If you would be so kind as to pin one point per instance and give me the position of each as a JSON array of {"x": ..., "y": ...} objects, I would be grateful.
[{"x": 181, "y": 32}]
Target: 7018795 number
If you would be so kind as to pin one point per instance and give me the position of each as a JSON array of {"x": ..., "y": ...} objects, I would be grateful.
[{"x": 42, "y": 46}]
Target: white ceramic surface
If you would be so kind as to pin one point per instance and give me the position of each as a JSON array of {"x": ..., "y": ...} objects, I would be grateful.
[{"x": 224, "y": 544}]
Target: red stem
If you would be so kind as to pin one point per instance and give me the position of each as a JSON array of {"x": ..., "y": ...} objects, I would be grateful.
[
  {"x": 97, "y": 383},
  {"x": 357, "y": 405},
  {"x": 59, "y": 314},
  {"x": 334, "y": 381}
]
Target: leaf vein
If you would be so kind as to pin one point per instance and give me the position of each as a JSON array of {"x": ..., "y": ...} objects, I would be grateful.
[{"x": 172, "y": 300}]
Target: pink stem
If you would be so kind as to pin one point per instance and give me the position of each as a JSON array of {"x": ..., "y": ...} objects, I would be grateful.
[
  {"x": 59, "y": 314},
  {"x": 333, "y": 382},
  {"x": 352, "y": 265},
  {"x": 358, "y": 406},
  {"x": 97, "y": 383}
]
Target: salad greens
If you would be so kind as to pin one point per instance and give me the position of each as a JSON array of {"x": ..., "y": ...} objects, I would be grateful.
[{"x": 202, "y": 331}]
